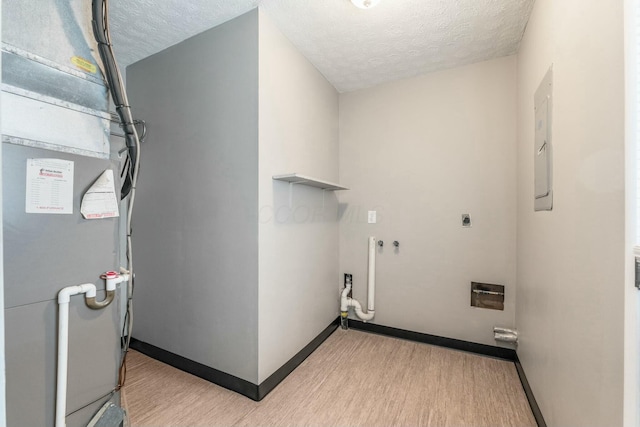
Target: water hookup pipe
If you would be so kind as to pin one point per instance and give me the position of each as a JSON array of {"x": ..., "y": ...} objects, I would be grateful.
[{"x": 346, "y": 301}]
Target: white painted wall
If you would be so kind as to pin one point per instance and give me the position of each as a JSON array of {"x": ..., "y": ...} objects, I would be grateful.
[
  {"x": 250, "y": 272},
  {"x": 298, "y": 258},
  {"x": 570, "y": 270},
  {"x": 632, "y": 155},
  {"x": 421, "y": 152}
]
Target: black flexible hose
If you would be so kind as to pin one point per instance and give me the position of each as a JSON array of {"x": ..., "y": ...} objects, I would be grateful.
[{"x": 100, "y": 25}]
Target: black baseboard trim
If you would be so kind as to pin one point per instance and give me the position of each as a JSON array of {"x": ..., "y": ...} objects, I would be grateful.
[
  {"x": 205, "y": 372},
  {"x": 537, "y": 413},
  {"x": 482, "y": 349},
  {"x": 258, "y": 392},
  {"x": 276, "y": 378},
  {"x": 471, "y": 347},
  {"x": 228, "y": 381}
]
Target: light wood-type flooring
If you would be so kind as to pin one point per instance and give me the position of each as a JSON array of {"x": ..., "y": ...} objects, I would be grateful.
[{"x": 353, "y": 379}]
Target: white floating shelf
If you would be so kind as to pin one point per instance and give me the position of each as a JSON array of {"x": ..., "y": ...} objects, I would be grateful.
[{"x": 295, "y": 178}]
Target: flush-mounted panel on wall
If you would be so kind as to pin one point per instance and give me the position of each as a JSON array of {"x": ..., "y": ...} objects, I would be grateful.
[{"x": 542, "y": 152}]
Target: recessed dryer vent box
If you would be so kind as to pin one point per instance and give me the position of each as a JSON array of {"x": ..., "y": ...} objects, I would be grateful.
[{"x": 485, "y": 295}]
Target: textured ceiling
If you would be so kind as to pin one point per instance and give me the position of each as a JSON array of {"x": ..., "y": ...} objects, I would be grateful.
[{"x": 353, "y": 48}]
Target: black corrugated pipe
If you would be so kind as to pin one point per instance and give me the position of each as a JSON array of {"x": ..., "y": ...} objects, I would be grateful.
[{"x": 100, "y": 25}]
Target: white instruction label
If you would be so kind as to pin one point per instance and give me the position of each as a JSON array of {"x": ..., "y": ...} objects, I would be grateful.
[
  {"x": 100, "y": 200},
  {"x": 49, "y": 186}
]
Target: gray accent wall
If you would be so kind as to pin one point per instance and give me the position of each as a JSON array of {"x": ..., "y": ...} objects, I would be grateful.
[
  {"x": 421, "y": 152},
  {"x": 571, "y": 260},
  {"x": 196, "y": 214},
  {"x": 233, "y": 269}
]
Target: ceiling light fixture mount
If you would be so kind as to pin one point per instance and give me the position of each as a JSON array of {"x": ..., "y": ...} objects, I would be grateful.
[{"x": 365, "y": 4}]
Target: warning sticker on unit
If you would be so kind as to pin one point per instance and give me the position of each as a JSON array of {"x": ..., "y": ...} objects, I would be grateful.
[
  {"x": 83, "y": 64},
  {"x": 49, "y": 186},
  {"x": 100, "y": 200}
]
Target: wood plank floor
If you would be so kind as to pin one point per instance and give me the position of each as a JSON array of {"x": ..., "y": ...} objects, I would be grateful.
[{"x": 353, "y": 379}]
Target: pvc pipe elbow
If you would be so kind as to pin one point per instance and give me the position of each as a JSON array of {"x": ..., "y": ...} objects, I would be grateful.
[
  {"x": 89, "y": 289},
  {"x": 344, "y": 300},
  {"x": 112, "y": 278},
  {"x": 97, "y": 305},
  {"x": 65, "y": 294},
  {"x": 358, "y": 309},
  {"x": 364, "y": 316}
]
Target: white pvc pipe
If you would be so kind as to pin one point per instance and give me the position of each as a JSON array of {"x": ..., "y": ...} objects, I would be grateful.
[
  {"x": 371, "y": 278},
  {"x": 63, "y": 343},
  {"x": 344, "y": 299},
  {"x": 358, "y": 309},
  {"x": 64, "y": 296},
  {"x": 114, "y": 279},
  {"x": 346, "y": 302}
]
